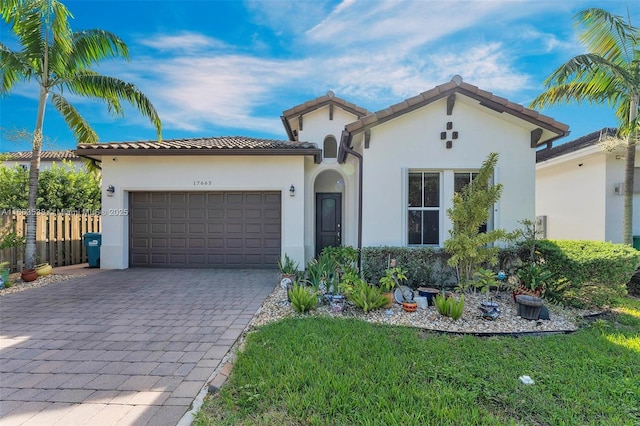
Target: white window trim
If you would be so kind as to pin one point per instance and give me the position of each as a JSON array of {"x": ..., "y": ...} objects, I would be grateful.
[
  {"x": 447, "y": 186},
  {"x": 405, "y": 203}
]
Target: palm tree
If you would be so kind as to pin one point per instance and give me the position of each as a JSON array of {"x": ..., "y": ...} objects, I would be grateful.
[
  {"x": 608, "y": 74},
  {"x": 59, "y": 60}
]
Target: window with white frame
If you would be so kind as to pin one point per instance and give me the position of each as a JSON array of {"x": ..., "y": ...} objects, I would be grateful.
[
  {"x": 424, "y": 208},
  {"x": 425, "y": 196}
]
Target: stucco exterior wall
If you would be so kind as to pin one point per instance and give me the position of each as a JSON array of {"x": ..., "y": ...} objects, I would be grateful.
[
  {"x": 182, "y": 173},
  {"x": 412, "y": 141},
  {"x": 572, "y": 194},
  {"x": 580, "y": 202},
  {"x": 317, "y": 126}
]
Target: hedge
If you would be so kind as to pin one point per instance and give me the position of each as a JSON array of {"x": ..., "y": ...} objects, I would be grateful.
[
  {"x": 585, "y": 262},
  {"x": 425, "y": 266}
]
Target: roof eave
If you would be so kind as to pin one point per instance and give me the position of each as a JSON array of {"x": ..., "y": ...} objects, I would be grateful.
[{"x": 100, "y": 152}]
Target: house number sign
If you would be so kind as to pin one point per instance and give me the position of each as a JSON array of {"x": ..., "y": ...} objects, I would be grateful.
[{"x": 202, "y": 183}]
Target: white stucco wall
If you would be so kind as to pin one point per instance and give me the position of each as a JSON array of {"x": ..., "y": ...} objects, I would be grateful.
[
  {"x": 317, "y": 126},
  {"x": 412, "y": 141},
  {"x": 572, "y": 194},
  {"x": 580, "y": 201},
  {"x": 181, "y": 173}
]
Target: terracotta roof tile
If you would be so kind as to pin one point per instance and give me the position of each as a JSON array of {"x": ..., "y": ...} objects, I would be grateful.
[
  {"x": 230, "y": 145},
  {"x": 577, "y": 144},
  {"x": 45, "y": 155},
  {"x": 322, "y": 101},
  {"x": 232, "y": 142}
]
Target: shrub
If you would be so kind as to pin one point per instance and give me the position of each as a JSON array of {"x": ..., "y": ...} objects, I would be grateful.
[
  {"x": 424, "y": 265},
  {"x": 449, "y": 306},
  {"x": 598, "y": 271},
  {"x": 303, "y": 299},
  {"x": 367, "y": 297},
  {"x": 345, "y": 256}
]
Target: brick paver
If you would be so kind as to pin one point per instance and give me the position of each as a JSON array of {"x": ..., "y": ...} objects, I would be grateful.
[{"x": 122, "y": 348}]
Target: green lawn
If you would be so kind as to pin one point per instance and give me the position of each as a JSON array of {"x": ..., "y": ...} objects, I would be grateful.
[{"x": 308, "y": 371}]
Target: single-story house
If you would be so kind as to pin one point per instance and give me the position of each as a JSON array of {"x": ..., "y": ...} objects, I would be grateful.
[
  {"x": 345, "y": 176},
  {"x": 579, "y": 190},
  {"x": 47, "y": 159}
]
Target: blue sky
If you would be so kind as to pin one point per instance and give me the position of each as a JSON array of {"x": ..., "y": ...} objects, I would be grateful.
[{"x": 223, "y": 68}]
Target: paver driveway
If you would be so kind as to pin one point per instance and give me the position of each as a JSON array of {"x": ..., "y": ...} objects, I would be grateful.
[{"x": 120, "y": 347}]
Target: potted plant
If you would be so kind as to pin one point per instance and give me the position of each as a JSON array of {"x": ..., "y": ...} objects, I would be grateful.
[
  {"x": 531, "y": 279},
  {"x": 43, "y": 269},
  {"x": 29, "y": 275},
  {"x": 391, "y": 279},
  {"x": 288, "y": 268}
]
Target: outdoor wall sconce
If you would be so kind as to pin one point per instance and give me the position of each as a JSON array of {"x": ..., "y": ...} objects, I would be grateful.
[
  {"x": 111, "y": 190},
  {"x": 292, "y": 190}
]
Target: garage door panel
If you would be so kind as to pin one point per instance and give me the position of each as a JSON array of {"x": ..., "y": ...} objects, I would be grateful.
[
  {"x": 158, "y": 242},
  {"x": 158, "y": 228},
  {"x": 177, "y": 228},
  {"x": 178, "y": 213},
  {"x": 156, "y": 197},
  {"x": 234, "y": 228},
  {"x": 205, "y": 229},
  {"x": 177, "y": 197},
  {"x": 197, "y": 214},
  {"x": 215, "y": 243}
]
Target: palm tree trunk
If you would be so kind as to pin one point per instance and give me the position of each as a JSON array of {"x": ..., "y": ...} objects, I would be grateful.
[
  {"x": 630, "y": 164},
  {"x": 34, "y": 172}
]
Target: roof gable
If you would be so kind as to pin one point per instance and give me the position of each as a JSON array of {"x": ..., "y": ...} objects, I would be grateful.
[
  {"x": 327, "y": 100},
  {"x": 554, "y": 129}
]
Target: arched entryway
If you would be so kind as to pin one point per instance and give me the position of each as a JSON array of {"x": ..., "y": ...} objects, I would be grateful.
[{"x": 329, "y": 191}]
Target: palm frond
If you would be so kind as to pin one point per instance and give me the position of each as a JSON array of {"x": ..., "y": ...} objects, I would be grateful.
[
  {"x": 112, "y": 90},
  {"x": 13, "y": 69},
  {"x": 78, "y": 125},
  {"x": 91, "y": 46},
  {"x": 608, "y": 35}
]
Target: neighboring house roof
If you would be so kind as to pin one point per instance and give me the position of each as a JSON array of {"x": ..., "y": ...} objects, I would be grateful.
[
  {"x": 44, "y": 156},
  {"x": 312, "y": 105},
  {"x": 231, "y": 145},
  {"x": 456, "y": 85},
  {"x": 575, "y": 145}
]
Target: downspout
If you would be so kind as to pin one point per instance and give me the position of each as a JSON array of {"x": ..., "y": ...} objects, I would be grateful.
[{"x": 345, "y": 145}]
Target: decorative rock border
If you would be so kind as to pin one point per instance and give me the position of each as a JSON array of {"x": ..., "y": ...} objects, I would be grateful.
[{"x": 562, "y": 320}]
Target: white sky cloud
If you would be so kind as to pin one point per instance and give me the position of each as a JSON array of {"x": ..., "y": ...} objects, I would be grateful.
[
  {"x": 184, "y": 41},
  {"x": 372, "y": 53}
]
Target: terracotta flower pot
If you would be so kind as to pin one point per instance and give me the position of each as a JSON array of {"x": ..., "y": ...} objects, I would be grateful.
[
  {"x": 410, "y": 306},
  {"x": 28, "y": 275},
  {"x": 389, "y": 296},
  {"x": 43, "y": 269}
]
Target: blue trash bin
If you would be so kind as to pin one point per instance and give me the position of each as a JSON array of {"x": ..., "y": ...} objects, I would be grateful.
[{"x": 93, "y": 242}]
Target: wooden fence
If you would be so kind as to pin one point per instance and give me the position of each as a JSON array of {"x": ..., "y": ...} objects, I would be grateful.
[{"x": 58, "y": 237}]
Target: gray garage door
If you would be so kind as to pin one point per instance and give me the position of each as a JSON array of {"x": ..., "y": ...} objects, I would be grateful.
[{"x": 204, "y": 229}]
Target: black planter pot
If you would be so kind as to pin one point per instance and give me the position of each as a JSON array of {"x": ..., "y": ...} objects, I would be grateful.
[
  {"x": 429, "y": 293},
  {"x": 529, "y": 306}
]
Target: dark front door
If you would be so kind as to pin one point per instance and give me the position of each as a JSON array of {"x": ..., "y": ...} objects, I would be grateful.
[{"x": 328, "y": 220}]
